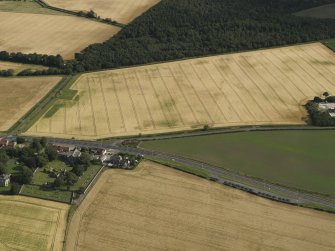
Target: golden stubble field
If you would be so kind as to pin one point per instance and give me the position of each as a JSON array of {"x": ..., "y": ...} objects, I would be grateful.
[
  {"x": 19, "y": 95},
  {"x": 50, "y": 34},
  {"x": 266, "y": 87},
  {"x": 119, "y": 10},
  {"x": 157, "y": 208},
  {"x": 31, "y": 224}
]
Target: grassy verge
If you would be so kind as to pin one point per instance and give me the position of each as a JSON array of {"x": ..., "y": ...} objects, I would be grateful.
[
  {"x": 318, "y": 207},
  {"x": 330, "y": 43},
  {"x": 39, "y": 110},
  {"x": 185, "y": 168},
  {"x": 86, "y": 178},
  {"x": 53, "y": 110},
  {"x": 56, "y": 195}
]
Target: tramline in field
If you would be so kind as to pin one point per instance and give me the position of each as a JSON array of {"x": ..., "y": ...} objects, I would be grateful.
[
  {"x": 31, "y": 224},
  {"x": 266, "y": 87}
]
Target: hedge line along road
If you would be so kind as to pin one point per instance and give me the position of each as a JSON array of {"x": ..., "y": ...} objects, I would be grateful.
[{"x": 218, "y": 174}]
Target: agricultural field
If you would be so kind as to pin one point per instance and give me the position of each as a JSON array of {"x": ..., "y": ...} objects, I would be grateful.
[
  {"x": 298, "y": 159},
  {"x": 31, "y": 224},
  {"x": 26, "y": 6},
  {"x": 19, "y": 95},
  {"x": 18, "y": 67},
  {"x": 265, "y": 87},
  {"x": 50, "y": 34},
  {"x": 119, "y": 10},
  {"x": 325, "y": 11},
  {"x": 154, "y": 207}
]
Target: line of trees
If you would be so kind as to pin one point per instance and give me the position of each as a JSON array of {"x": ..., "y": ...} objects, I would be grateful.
[
  {"x": 175, "y": 29},
  {"x": 33, "y": 58},
  {"x": 7, "y": 73}
]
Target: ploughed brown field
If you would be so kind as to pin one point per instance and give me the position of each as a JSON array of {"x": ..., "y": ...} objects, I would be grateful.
[
  {"x": 123, "y": 11},
  {"x": 19, "y": 95},
  {"x": 50, "y": 34},
  {"x": 31, "y": 224},
  {"x": 265, "y": 87},
  {"x": 157, "y": 208}
]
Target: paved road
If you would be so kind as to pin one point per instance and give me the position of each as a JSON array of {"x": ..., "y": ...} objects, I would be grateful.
[{"x": 219, "y": 174}]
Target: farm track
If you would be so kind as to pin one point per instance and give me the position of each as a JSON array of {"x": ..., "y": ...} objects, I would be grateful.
[{"x": 266, "y": 87}]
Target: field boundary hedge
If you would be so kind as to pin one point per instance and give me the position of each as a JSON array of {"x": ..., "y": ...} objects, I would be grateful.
[{"x": 77, "y": 14}]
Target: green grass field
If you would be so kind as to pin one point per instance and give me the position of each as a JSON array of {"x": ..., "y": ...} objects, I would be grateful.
[
  {"x": 330, "y": 43},
  {"x": 299, "y": 159},
  {"x": 28, "y": 6},
  {"x": 324, "y": 11}
]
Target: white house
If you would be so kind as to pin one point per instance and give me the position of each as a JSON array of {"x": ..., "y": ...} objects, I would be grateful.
[{"x": 4, "y": 180}]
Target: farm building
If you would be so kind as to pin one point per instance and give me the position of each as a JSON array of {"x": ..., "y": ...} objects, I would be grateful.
[
  {"x": 64, "y": 147},
  {"x": 4, "y": 180},
  {"x": 328, "y": 107}
]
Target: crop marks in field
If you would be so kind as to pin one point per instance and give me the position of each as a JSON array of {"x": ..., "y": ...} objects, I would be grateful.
[
  {"x": 19, "y": 95},
  {"x": 50, "y": 34},
  {"x": 267, "y": 87},
  {"x": 31, "y": 224},
  {"x": 154, "y": 207},
  {"x": 119, "y": 10}
]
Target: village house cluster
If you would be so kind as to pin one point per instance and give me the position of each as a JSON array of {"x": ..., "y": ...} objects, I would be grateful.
[
  {"x": 4, "y": 143},
  {"x": 110, "y": 158}
]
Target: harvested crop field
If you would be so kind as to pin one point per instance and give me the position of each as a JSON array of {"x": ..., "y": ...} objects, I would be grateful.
[
  {"x": 154, "y": 208},
  {"x": 19, "y": 95},
  {"x": 267, "y": 87},
  {"x": 119, "y": 10},
  {"x": 50, "y": 34},
  {"x": 31, "y": 224}
]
